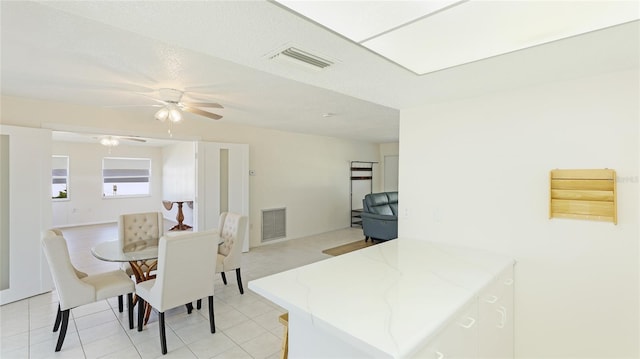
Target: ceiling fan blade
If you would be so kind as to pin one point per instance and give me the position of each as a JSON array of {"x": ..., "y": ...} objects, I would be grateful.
[
  {"x": 132, "y": 139},
  {"x": 125, "y": 106},
  {"x": 123, "y": 138},
  {"x": 202, "y": 104},
  {"x": 202, "y": 113},
  {"x": 152, "y": 98}
]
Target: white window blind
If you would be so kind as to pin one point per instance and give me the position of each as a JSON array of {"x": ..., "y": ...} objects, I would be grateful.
[{"x": 126, "y": 176}]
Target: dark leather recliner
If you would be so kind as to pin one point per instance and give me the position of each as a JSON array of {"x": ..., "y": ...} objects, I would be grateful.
[{"x": 380, "y": 216}]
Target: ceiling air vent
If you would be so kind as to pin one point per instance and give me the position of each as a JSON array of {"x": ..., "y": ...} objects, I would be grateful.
[{"x": 302, "y": 58}]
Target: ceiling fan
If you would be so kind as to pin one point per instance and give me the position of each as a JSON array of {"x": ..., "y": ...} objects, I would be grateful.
[
  {"x": 172, "y": 106},
  {"x": 112, "y": 141}
]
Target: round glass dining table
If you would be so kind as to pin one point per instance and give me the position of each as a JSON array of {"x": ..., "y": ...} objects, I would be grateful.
[
  {"x": 142, "y": 257},
  {"x": 111, "y": 251}
]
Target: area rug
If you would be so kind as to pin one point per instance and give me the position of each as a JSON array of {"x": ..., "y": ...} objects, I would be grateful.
[{"x": 349, "y": 247}]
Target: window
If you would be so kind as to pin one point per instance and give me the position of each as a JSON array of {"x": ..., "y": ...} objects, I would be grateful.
[
  {"x": 125, "y": 176},
  {"x": 59, "y": 177}
]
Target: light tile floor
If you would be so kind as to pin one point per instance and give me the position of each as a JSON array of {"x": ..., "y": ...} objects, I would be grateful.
[{"x": 247, "y": 325}]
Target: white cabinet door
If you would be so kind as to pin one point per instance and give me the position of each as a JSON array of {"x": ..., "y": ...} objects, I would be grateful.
[
  {"x": 496, "y": 318},
  {"x": 458, "y": 340}
]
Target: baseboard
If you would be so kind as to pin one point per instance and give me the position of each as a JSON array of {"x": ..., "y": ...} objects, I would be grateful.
[{"x": 84, "y": 224}]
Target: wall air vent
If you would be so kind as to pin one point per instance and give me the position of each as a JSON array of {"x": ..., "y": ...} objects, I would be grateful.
[
  {"x": 274, "y": 224},
  {"x": 302, "y": 58}
]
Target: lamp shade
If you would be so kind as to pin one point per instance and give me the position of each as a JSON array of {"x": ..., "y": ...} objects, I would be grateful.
[
  {"x": 162, "y": 114},
  {"x": 174, "y": 113},
  {"x": 171, "y": 112}
]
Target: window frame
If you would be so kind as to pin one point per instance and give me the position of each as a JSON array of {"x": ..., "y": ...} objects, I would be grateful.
[
  {"x": 132, "y": 175},
  {"x": 65, "y": 177}
]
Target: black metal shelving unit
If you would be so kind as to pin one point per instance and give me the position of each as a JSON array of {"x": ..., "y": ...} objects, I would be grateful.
[{"x": 360, "y": 171}]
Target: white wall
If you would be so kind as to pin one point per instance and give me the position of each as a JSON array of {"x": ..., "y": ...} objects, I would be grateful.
[
  {"x": 179, "y": 178},
  {"x": 307, "y": 174},
  {"x": 386, "y": 149},
  {"x": 85, "y": 204},
  {"x": 475, "y": 172}
]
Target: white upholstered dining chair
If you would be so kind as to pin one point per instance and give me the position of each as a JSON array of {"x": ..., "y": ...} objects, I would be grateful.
[
  {"x": 185, "y": 274},
  {"x": 136, "y": 230},
  {"x": 232, "y": 228},
  {"x": 80, "y": 275},
  {"x": 76, "y": 288}
]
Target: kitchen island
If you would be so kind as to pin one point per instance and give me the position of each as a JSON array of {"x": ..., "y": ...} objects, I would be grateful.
[{"x": 399, "y": 299}]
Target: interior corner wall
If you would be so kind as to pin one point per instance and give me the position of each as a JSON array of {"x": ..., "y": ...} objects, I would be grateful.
[{"x": 483, "y": 181}]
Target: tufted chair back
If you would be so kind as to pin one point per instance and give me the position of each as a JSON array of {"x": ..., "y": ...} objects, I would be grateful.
[
  {"x": 231, "y": 227},
  {"x": 139, "y": 229}
]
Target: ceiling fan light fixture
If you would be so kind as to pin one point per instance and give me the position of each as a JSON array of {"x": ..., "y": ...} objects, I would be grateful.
[
  {"x": 109, "y": 141},
  {"x": 171, "y": 112},
  {"x": 162, "y": 114},
  {"x": 174, "y": 113}
]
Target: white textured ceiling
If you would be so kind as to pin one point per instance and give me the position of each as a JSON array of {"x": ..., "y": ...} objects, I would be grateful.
[{"x": 101, "y": 53}]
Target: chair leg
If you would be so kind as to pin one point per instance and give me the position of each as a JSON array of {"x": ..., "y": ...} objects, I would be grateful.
[
  {"x": 224, "y": 278},
  {"x": 366, "y": 239},
  {"x": 189, "y": 307},
  {"x": 63, "y": 329},
  {"x": 56, "y": 325},
  {"x": 130, "y": 309},
  {"x": 212, "y": 321},
  {"x": 239, "y": 280},
  {"x": 199, "y": 304},
  {"x": 163, "y": 334},
  {"x": 120, "y": 304},
  {"x": 141, "y": 310}
]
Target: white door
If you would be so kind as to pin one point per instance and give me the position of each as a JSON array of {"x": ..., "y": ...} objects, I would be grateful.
[
  {"x": 25, "y": 211},
  {"x": 222, "y": 184},
  {"x": 390, "y": 173}
]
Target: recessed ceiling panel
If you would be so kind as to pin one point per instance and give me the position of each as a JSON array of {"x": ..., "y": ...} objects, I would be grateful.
[
  {"x": 361, "y": 20},
  {"x": 477, "y": 30},
  {"x": 427, "y": 36}
]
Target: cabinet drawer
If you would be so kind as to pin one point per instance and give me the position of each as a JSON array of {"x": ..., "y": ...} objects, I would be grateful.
[
  {"x": 459, "y": 339},
  {"x": 495, "y": 312}
]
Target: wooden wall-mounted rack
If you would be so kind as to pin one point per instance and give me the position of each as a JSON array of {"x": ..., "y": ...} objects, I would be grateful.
[{"x": 583, "y": 194}]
